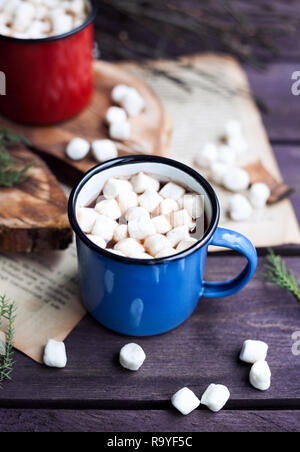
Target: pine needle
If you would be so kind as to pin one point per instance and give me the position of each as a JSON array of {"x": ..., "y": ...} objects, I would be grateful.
[
  {"x": 7, "y": 314},
  {"x": 8, "y": 175},
  {"x": 278, "y": 274}
]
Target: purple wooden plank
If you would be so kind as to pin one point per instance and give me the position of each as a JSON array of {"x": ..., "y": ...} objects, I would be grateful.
[
  {"x": 147, "y": 421},
  {"x": 273, "y": 86},
  {"x": 203, "y": 350}
]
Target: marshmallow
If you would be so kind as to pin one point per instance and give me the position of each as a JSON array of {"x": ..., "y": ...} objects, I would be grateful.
[
  {"x": 132, "y": 356},
  {"x": 86, "y": 218},
  {"x": 110, "y": 208},
  {"x": 130, "y": 247},
  {"x": 168, "y": 206},
  {"x": 161, "y": 224},
  {"x": 104, "y": 150},
  {"x": 119, "y": 253},
  {"x": 226, "y": 155},
  {"x": 127, "y": 200},
  {"x": 142, "y": 181},
  {"x": 156, "y": 243},
  {"x": 78, "y": 149},
  {"x": 218, "y": 171},
  {"x": 185, "y": 244},
  {"x": 61, "y": 23},
  {"x": 78, "y": 7},
  {"x": 253, "y": 351},
  {"x": 150, "y": 199},
  {"x": 165, "y": 252},
  {"x": 136, "y": 212},
  {"x": 238, "y": 144},
  {"x": 185, "y": 401},
  {"x": 233, "y": 127},
  {"x": 180, "y": 218},
  {"x": 114, "y": 187},
  {"x": 259, "y": 195},
  {"x": 260, "y": 376},
  {"x": 140, "y": 228},
  {"x": 115, "y": 114},
  {"x": 132, "y": 102},
  {"x": 172, "y": 191},
  {"x": 38, "y": 29},
  {"x": 239, "y": 208},
  {"x": 120, "y": 130},
  {"x": 215, "y": 397},
  {"x": 119, "y": 92},
  {"x": 236, "y": 179},
  {"x": 23, "y": 16},
  {"x": 207, "y": 155},
  {"x": 55, "y": 354},
  {"x": 120, "y": 233},
  {"x": 193, "y": 204},
  {"x": 143, "y": 256},
  {"x": 99, "y": 241},
  {"x": 104, "y": 227},
  {"x": 178, "y": 234}
]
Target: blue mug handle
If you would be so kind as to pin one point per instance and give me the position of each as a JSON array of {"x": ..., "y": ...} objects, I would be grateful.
[{"x": 238, "y": 242}]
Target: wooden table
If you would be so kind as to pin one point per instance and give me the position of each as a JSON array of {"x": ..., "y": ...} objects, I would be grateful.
[{"x": 94, "y": 394}]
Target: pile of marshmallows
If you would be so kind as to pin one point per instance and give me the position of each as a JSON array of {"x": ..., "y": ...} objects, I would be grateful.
[
  {"x": 38, "y": 19},
  {"x": 131, "y": 104},
  {"x": 221, "y": 160},
  {"x": 132, "y": 357},
  {"x": 157, "y": 221}
]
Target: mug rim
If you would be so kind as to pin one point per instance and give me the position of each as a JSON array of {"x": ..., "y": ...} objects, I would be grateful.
[
  {"x": 119, "y": 161},
  {"x": 91, "y": 17}
]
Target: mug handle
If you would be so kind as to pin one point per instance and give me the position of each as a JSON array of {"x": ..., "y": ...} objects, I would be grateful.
[{"x": 238, "y": 242}]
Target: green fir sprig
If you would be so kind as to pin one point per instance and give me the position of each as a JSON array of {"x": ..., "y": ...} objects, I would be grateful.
[
  {"x": 278, "y": 274},
  {"x": 8, "y": 175},
  {"x": 7, "y": 314}
]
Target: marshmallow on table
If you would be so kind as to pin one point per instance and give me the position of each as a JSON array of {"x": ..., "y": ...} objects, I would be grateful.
[
  {"x": 120, "y": 130},
  {"x": 156, "y": 243},
  {"x": 104, "y": 150},
  {"x": 165, "y": 252},
  {"x": 78, "y": 149},
  {"x": 86, "y": 218},
  {"x": 99, "y": 241},
  {"x": 180, "y": 218},
  {"x": 132, "y": 356},
  {"x": 233, "y": 127},
  {"x": 259, "y": 194},
  {"x": 239, "y": 208},
  {"x": 193, "y": 204},
  {"x": 185, "y": 244},
  {"x": 55, "y": 354},
  {"x": 172, "y": 191},
  {"x": 226, "y": 155},
  {"x": 104, "y": 227},
  {"x": 176, "y": 235},
  {"x": 185, "y": 401},
  {"x": 114, "y": 187},
  {"x": 215, "y": 397},
  {"x": 207, "y": 155},
  {"x": 130, "y": 247},
  {"x": 142, "y": 181},
  {"x": 236, "y": 179},
  {"x": 253, "y": 351},
  {"x": 150, "y": 199},
  {"x": 136, "y": 212},
  {"x": 140, "y": 228},
  {"x": 23, "y": 16},
  {"x": 132, "y": 102},
  {"x": 260, "y": 376},
  {"x": 118, "y": 93},
  {"x": 110, "y": 208},
  {"x": 238, "y": 144},
  {"x": 115, "y": 114},
  {"x": 121, "y": 232},
  {"x": 218, "y": 171},
  {"x": 161, "y": 224},
  {"x": 168, "y": 206},
  {"x": 127, "y": 200}
]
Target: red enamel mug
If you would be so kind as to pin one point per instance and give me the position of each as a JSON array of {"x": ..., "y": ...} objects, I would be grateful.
[{"x": 48, "y": 80}]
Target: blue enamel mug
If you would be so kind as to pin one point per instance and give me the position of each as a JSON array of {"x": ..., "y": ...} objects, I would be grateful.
[{"x": 144, "y": 297}]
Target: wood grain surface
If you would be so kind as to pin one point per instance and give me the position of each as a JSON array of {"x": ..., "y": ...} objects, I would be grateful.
[{"x": 33, "y": 214}]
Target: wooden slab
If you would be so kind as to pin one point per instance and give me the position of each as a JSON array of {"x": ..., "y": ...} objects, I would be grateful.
[
  {"x": 33, "y": 214},
  {"x": 201, "y": 351},
  {"x": 150, "y": 130}
]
